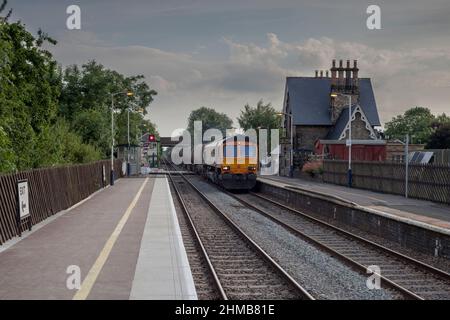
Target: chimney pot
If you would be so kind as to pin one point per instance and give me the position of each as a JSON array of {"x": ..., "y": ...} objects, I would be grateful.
[
  {"x": 327, "y": 76},
  {"x": 321, "y": 73},
  {"x": 333, "y": 75},
  {"x": 340, "y": 63},
  {"x": 317, "y": 73},
  {"x": 348, "y": 64},
  {"x": 355, "y": 64}
]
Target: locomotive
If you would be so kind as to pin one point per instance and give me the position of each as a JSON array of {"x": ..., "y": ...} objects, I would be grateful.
[{"x": 238, "y": 165}]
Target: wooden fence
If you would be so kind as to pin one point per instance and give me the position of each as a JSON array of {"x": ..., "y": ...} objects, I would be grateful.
[
  {"x": 50, "y": 191},
  {"x": 426, "y": 181}
]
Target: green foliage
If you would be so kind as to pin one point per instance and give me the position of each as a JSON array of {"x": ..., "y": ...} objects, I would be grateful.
[
  {"x": 94, "y": 128},
  {"x": 138, "y": 126},
  {"x": 59, "y": 145},
  {"x": 418, "y": 122},
  {"x": 7, "y": 158},
  {"x": 211, "y": 119},
  {"x": 262, "y": 116},
  {"x": 29, "y": 92},
  {"x": 146, "y": 126},
  {"x": 86, "y": 101},
  {"x": 440, "y": 139},
  {"x": 49, "y": 116}
]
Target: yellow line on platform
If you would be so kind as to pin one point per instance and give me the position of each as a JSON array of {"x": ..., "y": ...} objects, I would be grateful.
[{"x": 90, "y": 279}]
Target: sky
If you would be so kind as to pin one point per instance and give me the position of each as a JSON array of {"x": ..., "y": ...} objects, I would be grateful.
[{"x": 225, "y": 54}]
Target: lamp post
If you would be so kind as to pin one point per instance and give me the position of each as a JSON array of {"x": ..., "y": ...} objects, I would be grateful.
[
  {"x": 291, "y": 155},
  {"x": 139, "y": 110},
  {"x": 406, "y": 165},
  {"x": 129, "y": 94},
  {"x": 349, "y": 140}
]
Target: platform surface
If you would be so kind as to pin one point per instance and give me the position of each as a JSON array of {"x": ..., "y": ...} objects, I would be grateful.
[
  {"x": 162, "y": 270},
  {"x": 123, "y": 240},
  {"x": 424, "y": 212}
]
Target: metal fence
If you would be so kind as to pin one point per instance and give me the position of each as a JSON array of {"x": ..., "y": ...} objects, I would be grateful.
[
  {"x": 441, "y": 156},
  {"x": 425, "y": 181},
  {"x": 50, "y": 191}
]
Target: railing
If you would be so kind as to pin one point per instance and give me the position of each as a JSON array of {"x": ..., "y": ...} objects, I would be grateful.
[
  {"x": 425, "y": 181},
  {"x": 51, "y": 190}
]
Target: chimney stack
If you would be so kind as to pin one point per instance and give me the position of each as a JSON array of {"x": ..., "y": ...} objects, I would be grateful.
[
  {"x": 333, "y": 74},
  {"x": 355, "y": 80},
  {"x": 344, "y": 80},
  {"x": 340, "y": 75},
  {"x": 348, "y": 77}
]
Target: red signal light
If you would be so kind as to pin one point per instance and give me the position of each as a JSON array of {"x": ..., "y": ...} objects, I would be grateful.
[{"x": 151, "y": 138}]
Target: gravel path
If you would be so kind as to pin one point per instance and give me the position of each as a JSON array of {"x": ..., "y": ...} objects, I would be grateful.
[{"x": 318, "y": 272}]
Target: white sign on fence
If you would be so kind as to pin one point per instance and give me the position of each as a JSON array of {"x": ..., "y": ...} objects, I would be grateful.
[{"x": 24, "y": 206}]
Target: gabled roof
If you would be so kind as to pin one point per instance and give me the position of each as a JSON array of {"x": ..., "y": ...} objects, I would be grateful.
[
  {"x": 309, "y": 99},
  {"x": 342, "y": 124}
]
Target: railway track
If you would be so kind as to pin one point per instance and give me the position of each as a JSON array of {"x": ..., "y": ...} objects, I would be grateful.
[
  {"x": 413, "y": 278},
  {"x": 240, "y": 269}
]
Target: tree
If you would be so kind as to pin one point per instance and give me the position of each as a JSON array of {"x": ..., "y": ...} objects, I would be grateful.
[
  {"x": 49, "y": 116},
  {"x": 94, "y": 128},
  {"x": 7, "y": 157},
  {"x": 262, "y": 116},
  {"x": 416, "y": 122},
  {"x": 86, "y": 103},
  {"x": 30, "y": 83},
  {"x": 138, "y": 127},
  {"x": 59, "y": 145},
  {"x": 440, "y": 139},
  {"x": 211, "y": 119}
]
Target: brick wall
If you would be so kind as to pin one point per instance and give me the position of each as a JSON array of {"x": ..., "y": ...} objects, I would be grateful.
[
  {"x": 359, "y": 130},
  {"x": 339, "y": 103},
  {"x": 395, "y": 151},
  {"x": 306, "y": 136}
]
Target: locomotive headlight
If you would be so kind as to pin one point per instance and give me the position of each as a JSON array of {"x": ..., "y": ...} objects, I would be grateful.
[
  {"x": 251, "y": 168},
  {"x": 226, "y": 168}
]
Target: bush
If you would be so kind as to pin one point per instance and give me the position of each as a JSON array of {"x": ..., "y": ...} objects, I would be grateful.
[
  {"x": 7, "y": 158},
  {"x": 313, "y": 167},
  {"x": 59, "y": 145}
]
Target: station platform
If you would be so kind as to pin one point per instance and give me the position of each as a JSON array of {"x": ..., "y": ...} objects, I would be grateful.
[
  {"x": 122, "y": 243},
  {"x": 423, "y": 213}
]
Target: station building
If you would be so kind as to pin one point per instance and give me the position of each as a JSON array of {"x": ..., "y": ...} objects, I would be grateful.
[{"x": 319, "y": 110}]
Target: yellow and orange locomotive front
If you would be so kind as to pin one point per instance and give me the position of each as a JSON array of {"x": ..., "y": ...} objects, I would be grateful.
[{"x": 237, "y": 163}]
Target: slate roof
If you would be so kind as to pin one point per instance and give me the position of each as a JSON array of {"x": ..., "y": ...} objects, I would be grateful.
[
  {"x": 309, "y": 99},
  {"x": 341, "y": 122}
]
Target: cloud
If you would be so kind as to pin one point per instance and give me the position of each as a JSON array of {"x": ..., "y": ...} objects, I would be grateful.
[{"x": 402, "y": 78}]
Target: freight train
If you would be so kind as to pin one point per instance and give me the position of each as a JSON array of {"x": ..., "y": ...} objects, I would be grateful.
[{"x": 237, "y": 165}]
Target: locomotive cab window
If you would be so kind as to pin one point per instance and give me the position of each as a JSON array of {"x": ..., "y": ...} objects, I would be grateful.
[
  {"x": 230, "y": 151},
  {"x": 247, "y": 151}
]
